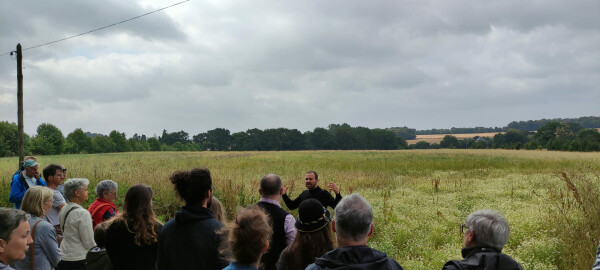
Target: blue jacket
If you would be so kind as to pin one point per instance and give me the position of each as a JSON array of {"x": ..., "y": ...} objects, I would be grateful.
[{"x": 19, "y": 186}]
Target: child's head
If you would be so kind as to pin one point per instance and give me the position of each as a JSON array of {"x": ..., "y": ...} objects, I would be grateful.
[
  {"x": 218, "y": 210},
  {"x": 100, "y": 234}
]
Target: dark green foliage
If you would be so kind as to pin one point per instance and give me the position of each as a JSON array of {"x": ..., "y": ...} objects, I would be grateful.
[
  {"x": 9, "y": 134},
  {"x": 120, "y": 142},
  {"x": 78, "y": 142},
  {"x": 153, "y": 144},
  {"x": 532, "y": 125},
  {"x": 49, "y": 140},
  {"x": 449, "y": 141},
  {"x": 404, "y": 132}
]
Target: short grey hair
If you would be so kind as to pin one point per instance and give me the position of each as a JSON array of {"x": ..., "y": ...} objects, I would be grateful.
[
  {"x": 489, "y": 227},
  {"x": 10, "y": 219},
  {"x": 105, "y": 185},
  {"x": 73, "y": 184},
  {"x": 353, "y": 218}
]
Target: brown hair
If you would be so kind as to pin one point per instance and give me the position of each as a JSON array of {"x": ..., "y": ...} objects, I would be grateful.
[
  {"x": 100, "y": 233},
  {"x": 34, "y": 199},
  {"x": 218, "y": 210},
  {"x": 138, "y": 215},
  {"x": 248, "y": 234},
  {"x": 306, "y": 247}
]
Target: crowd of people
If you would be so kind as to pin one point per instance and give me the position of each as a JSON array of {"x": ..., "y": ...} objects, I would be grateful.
[{"x": 49, "y": 228}]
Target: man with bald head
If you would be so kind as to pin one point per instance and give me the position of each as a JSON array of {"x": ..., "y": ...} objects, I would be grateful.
[{"x": 281, "y": 221}]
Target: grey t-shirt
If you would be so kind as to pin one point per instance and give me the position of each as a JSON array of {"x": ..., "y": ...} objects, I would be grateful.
[{"x": 52, "y": 215}]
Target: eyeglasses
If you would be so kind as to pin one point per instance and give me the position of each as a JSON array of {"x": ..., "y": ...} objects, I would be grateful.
[
  {"x": 64, "y": 170},
  {"x": 212, "y": 187},
  {"x": 463, "y": 228}
]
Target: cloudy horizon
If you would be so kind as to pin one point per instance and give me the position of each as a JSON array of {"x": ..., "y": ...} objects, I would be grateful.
[{"x": 238, "y": 65}]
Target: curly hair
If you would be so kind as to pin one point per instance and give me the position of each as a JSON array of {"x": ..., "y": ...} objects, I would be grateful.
[
  {"x": 138, "y": 215},
  {"x": 248, "y": 234}
]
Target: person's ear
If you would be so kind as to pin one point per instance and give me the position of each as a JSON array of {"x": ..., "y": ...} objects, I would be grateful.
[
  {"x": 333, "y": 225},
  {"x": 264, "y": 250},
  {"x": 372, "y": 230},
  {"x": 2, "y": 244},
  {"x": 260, "y": 192}
]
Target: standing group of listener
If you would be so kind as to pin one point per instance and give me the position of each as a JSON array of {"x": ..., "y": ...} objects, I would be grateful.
[{"x": 260, "y": 236}]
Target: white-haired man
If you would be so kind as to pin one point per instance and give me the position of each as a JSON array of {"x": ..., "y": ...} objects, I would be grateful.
[
  {"x": 485, "y": 232},
  {"x": 353, "y": 225}
]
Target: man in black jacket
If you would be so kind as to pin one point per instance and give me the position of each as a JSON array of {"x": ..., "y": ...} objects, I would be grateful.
[
  {"x": 485, "y": 232},
  {"x": 311, "y": 181},
  {"x": 353, "y": 225}
]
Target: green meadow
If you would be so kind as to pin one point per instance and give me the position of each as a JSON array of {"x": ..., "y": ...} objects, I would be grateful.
[{"x": 420, "y": 198}]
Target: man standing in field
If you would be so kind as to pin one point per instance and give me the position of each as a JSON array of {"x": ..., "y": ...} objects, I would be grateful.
[
  {"x": 353, "y": 225},
  {"x": 311, "y": 181},
  {"x": 29, "y": 177},
  {"x": 282, "y": 222},
  {"x": 54, "y": 177}
]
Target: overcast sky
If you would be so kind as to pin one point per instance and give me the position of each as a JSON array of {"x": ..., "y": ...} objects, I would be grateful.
[{"x": 299, "y": 64}]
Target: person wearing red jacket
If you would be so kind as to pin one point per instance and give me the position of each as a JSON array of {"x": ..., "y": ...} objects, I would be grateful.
[{"x": 104, "y": 208}]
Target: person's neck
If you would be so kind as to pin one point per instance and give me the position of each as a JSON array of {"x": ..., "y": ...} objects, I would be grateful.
[
  {"x": 350, "y": 243},
  {"x": 76, "y": 200},
  {"x": 4, "y": 260},
  {"x": 51, "y": 185},
  {"x": 273, "y": 197},
  {"x": 315, "y": 188}
]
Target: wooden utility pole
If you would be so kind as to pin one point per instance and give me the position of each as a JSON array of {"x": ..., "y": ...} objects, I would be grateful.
[{"x": 20, "y": 103}]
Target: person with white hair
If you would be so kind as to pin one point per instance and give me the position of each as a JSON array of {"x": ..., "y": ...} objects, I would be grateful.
[
  {"x": 14, "y": 236},
  {"x": 353, "y": 225},
  {"x": 104, "y": 207},
  {"x": 76, "y": 224},
  {"x": 485, "y": 233}
]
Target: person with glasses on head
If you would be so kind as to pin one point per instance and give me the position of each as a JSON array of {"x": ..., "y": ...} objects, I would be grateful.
[
  {"x": 313, "y": 237},
  {"x": 60, "y": 187},
  {"x": 104, "y": 207},
  {"x": 23, "y": 180},
  {"x": 44, "y": 253},
  {"x": 485, "y": 232},
  {"x": 191, "y": 240},
  {"x": 76, "y": 224}
]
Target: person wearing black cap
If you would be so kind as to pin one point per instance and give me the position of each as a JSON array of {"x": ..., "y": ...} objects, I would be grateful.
[
  {"x": 313, "y": 237},
  {"x": 353, "y": 225}
]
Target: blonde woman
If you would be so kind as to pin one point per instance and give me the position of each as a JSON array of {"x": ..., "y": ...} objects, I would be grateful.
[
  {"x": 248, "y": 238},
  {"x": 45, "y": 252},
  {"x": 218, "y": 210}
]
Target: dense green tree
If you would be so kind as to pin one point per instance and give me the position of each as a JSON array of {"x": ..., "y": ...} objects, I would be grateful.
[
  {"x": 49, "y": 140},
  {"x": 321, "y": 139},
  {"x": 103, "y": 144},
  {"x": 77, "y": 142},
  {"x": 421, "y": 145},
  {"x": 449, "y": 141},
  {"x": 404, "y": 132},
  {"x": 9, "y": 139},
  {"x": 171, "y": 138},
  {"x": 120, "y": 142},
  {"x": 218, "y": 139},
  {"x": 154, "y": 144}
]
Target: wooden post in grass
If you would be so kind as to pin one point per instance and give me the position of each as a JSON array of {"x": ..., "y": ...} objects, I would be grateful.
[{"x": 20, "y": 103}]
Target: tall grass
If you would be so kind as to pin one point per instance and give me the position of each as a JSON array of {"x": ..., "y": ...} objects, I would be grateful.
[{"x": 419, "y": 197}]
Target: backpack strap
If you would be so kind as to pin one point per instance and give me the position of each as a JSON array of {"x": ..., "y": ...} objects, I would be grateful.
[
  {"x": 66, "y": 216},
  {"x": 32, "y": 246},
  {"x": 98, "y": 208}
]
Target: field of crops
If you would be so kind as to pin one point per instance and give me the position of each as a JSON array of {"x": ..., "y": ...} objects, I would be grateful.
[{"x": 551, "y": 199}]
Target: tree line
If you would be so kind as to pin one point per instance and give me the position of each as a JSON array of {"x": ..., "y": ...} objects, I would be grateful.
[
  {"x": 552, "y": 136},
  {"x": 49, "y": 140}
]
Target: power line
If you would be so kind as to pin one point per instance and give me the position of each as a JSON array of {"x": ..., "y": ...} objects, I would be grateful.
[{"x": 98, "y": 29}]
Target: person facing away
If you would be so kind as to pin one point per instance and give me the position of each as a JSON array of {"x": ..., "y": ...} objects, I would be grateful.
[
  {"x": 97, "y": 258},
  {"x": 23, "y": 180},
  {"x": 248, "y": 238},
  {"x": 15, "y": 236},
  {"x": 132, "y": 237},
  {"x": 103, "y": 208},
  {"x": 44, "y": 253},
  {"x": 313, "y": 237},
  {"x": 218, "y": 210},
  {"x": 485, "y": 233},
  {"x": 53, "y": 174},
  {"x": 353, "y": 225},
  {"x": 311, "y": 181},
  {"x": 281, "y": 221},
  {"x": 76, "y": 224},
  {"x": 191, "y": 239}
]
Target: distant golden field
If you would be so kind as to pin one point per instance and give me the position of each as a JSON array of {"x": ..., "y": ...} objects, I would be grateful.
[
  {"x": 420, "y": 197},
  {"x": 437, "y": 138}
]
